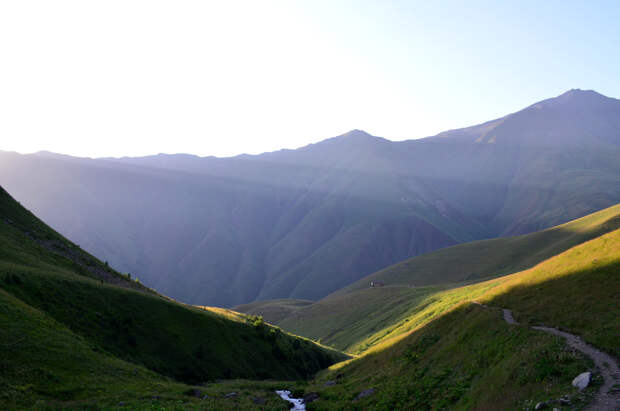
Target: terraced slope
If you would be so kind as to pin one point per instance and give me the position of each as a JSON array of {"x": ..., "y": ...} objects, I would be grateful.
[
  {"x": 450, "y": 353},
  {"x": 72, "y": 329}
]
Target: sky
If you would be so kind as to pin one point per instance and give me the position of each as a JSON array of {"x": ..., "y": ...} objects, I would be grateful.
[{"x": 130, "y": 78}]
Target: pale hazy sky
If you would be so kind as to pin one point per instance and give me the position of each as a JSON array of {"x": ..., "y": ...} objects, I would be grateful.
[{"x": 112, "y": 78}]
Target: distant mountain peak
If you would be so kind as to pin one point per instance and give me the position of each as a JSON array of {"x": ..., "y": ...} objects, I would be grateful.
[
  {"x": 356, "y": 138},
  {"x": 576, "y": 117},
  {"x": 573, "y": 96},
  {"x": 45, "y": 153},
  {"x": 576, "y": 92},
  {"x": 356, "y": 133},
  {"x": 51, "y": 154}
]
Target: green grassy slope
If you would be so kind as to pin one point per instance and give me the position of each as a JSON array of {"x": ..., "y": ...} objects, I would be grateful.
[
  {"x": 44, "y": 365},
  {"x": 67, "y": 301},
  {"x": 273, "y": 311},
  {"x": 576, "y": 291},
  {"x": 345, "y": 321},
  {"x": 28, "y": 241},
  {"x": 494, "y": 257},
  {"x": 359, "y": 317},
  {"x": 468, "y": 357}
]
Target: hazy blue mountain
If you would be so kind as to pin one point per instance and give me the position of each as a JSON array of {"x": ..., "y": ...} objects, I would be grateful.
[{"x": 303, "y": 223}]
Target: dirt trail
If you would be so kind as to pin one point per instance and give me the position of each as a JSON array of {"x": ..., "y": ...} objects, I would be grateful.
[
  {"x": 608, "y": 397},
  {"x": 508, "y": 316}
]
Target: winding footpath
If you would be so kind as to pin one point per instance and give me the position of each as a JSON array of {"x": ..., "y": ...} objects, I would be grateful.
[{"x": 607, "y": 398}]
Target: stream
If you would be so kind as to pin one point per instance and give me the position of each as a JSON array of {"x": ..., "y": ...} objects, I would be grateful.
[{"x": 298, "y": 403}]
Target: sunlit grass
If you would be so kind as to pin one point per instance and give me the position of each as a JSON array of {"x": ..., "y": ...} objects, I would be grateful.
[
  {"x": 493, "y": 258},
  {"x": 580, "y": 269},
  {"x": 451, "y": 353}
]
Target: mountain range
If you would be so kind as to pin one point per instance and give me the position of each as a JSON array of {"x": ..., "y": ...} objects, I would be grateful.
[
  {"x": 304, "y": 223},
  {"x": 490, "y": 307}
]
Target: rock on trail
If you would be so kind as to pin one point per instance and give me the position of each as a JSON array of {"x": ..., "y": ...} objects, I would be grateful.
[{"x": 607, "y": 398}]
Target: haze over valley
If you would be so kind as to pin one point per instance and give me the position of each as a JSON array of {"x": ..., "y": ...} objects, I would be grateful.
[
  {"x": 309, "y": 205},
  {"x": 303, "y": 223}
]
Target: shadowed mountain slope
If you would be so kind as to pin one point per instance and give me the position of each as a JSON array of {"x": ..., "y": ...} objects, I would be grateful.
[
  {"x": 66, "y": 317},
  {"x": 492, "y": 258},
  {"x": 357, "y": 317},
  {"x": 304, "y": 223}
]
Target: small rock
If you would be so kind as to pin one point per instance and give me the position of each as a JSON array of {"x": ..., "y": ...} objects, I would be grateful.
[
  {"x": 365, "y": 393},
  {"x": 556, "y": 409},
  {"x": 582, "y": 380},
  {"x": 540, "y": 406},
  {"x": 194, "y": 392},
  {"x": 121, "y": 404},
  {"x": 205, "y": 397},
  {"x": 310, "y": 397},
  {"x": 156, "y": 397},
  {"x": 259, "y": 401},
  {"x": 329, "y": 383},
  {"x": 231, "y": 395},
  {"x": 564, "y": 400}
]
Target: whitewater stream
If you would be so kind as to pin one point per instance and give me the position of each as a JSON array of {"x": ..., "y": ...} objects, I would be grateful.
[{"x": 298, "y": 403}]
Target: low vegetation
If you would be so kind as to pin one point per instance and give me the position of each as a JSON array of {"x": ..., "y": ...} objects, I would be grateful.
[
  {"x": 70, "y": 334},
  {"x": 71, "y": 337},
  {"x": 273, "y": 311},
  {"x": 467, "y": 359},
  {"x": 451, "y": 353},
  {"x": 358, "y": 317},
  {"x": 492, "y": 258}
]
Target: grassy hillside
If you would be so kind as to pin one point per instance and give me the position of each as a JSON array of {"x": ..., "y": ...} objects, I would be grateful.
[
  {"x": 68, "y": 318},
  {"x": 44, "y": 365},
  {"x": 358, "y": 317},
  {"x": 346, "y": 321},
  {"x": 273, "y": 311},
  {"x": 493, "y": 258},
  {"x": 458, "y": 355},
  {"x": 467, "y": 359}
]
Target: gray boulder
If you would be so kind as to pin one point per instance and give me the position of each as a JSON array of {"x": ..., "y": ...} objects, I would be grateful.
[
  {"x": 365, "y": 393},
  {"x": 310, "y": 397},
  {"x": 259, "y": 401},
  {"x": 582, "y": 380}
]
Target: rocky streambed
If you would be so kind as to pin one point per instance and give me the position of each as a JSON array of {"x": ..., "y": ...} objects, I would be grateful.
[{"x": 298, "y": 403}]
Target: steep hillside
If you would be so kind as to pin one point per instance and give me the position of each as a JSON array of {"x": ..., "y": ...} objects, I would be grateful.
[
  {"x": 481, "y": 259},
  {"x": 456, "y": 354},
  {"x": 358, "y": 316},
  {"x": 273, "y": 311},
  {"x": 304, "y": 223},
  {"x": 68, "y": 319}
]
